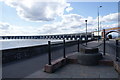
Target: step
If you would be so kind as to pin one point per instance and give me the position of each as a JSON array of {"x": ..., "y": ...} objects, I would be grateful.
[{"x": 106, "y": 62}]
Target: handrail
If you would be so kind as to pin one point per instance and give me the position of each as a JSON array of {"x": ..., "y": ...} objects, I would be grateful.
[
  {"x": 92, "y": 47},
  {"x": 117, "y": 52},
  {"x": 78, "y": 42}
]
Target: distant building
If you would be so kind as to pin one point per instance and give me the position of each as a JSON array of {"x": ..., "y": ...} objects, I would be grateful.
[{"x": 96, "y": 33}]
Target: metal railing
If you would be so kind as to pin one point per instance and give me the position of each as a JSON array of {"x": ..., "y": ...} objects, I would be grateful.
[
  {"x": 64, "y": 48},
  {"x": 117, "y": 51},
  {"x": 60, "y": 47},
  {"x": 99, "y": 45}
]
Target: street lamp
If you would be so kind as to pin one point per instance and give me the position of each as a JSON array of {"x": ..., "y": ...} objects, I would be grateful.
[
  {"x": 100, "y": 26},
  {"x": 98, "y": 21},
  {"x": 86, "y": 31}
]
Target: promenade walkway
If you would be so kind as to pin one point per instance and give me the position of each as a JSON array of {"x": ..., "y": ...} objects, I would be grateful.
[
  {"x": 78, "y": 71},
  {"x": 23, "y": 68},
  {"x": 33, "y": 68}
]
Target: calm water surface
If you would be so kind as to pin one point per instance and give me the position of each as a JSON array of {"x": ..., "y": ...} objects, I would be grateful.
[{"x": 9, "y": 44}]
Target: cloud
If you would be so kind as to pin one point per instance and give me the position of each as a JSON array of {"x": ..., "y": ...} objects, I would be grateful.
[
  {"x": 69, "y": 9},
  {"x": 110, "y": 18},
  {"x": 38, "y": 10},
  {"x": 70, "y": 23},
  {"x": 4, "y": 26},
  {"x": 74, "y": 23},
  {"x": 8, "y": 29},
  {"x": 49, "y": 10}
]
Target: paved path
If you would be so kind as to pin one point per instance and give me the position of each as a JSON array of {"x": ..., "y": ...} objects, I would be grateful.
[
  {"x": 24, "y": 68},
  {"x": 21, "y": 69},
  {"x": 78, "y": 71},
  {"x": 30, "y": 67}
]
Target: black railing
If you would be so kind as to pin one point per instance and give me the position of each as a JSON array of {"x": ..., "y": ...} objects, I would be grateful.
[
  {"x": 57, "y": 49},
  {"x": 64, "y": 44},
  {"x": 104, "y": 42},
  {"x": 78, "y": 45},
  {"x": 64, "y": 50},
  {"x": 117, "y": 51},
  {"x": 49, "y": 52}
]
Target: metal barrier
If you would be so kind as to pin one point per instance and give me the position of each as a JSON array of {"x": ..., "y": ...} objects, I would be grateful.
[
  {"x": 64, "y": 49},
  {"x": 50, "y": 44},
  {"x": 16, "y": 54},
  {"x": 103, "y": 43},
  {"x": 117, "y": 51},
  {"x": 49, "y": 52},
  {"x": 78, "y": 45},
  {"x": 64, "y": 46}
]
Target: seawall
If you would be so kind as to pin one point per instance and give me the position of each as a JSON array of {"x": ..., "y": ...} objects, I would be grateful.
[{"x": 10, "y": 55}]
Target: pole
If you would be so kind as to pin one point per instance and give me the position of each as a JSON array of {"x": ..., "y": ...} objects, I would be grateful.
[
  {"x": 64, "y": 56},
  {"x": 116, "y": 50},
  {"x": 104, "y": 42},
  {"x": 86, "y": 31},
  {"x": 78, "y": 45},
  {"x": 49, "y": 52},
  {"x": 98, "y": 22}
]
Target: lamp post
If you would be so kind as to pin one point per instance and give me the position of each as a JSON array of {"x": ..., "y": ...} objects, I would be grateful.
[
  {"x": 86, "y": 31},
  {"x": 98, "y": 21},
  {"x": 100, "y": 27}
]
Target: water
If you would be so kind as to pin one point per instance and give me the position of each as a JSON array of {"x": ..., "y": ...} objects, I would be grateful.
[{"x": 16, "y": 43}]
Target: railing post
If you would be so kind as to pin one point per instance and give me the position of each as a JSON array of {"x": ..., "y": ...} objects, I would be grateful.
[
  {"x": 86, "y": 39},
  {"x": 92, "y": 37},
  {"x": 49, "y": 52},
  {"x": 104, "y": 42},
  {"x": 116, "y": 50},
  {"x": 78, "y": 45},
  {"x": 64, "y": 56}
]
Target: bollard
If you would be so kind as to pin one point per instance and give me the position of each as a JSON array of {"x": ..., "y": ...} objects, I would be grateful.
[
  {"x": 78, "y": 45},
  {"x": 104, "y": 42},
  {"x": 64, "y": 56},
  {"x": 116, "y": 50},
  {"x": 49, "y": 52}
]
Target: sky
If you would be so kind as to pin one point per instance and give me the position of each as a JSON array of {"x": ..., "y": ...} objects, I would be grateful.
[{"x": 38, "y": 17}]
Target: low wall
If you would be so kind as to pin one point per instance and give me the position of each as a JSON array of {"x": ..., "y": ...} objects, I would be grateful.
[
  {"x": 15, "y": 54},
  {"x": 22, "y": 53}
]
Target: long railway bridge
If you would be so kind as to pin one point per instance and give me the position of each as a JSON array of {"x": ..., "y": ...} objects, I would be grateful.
[{"x": 75, "y": 36}]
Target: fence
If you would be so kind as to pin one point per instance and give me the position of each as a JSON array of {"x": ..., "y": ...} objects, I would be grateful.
[
  {"x": 117, "y": 50},
  {"x": 62, "y": 53},
  {"x": 16, "y": 54},
  {"x": 64, "y": 48}
]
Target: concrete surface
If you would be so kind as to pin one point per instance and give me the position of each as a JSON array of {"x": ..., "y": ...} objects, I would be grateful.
[
  {"x": 33, "y": 67},
  {"x": 78, "y": 71}
]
